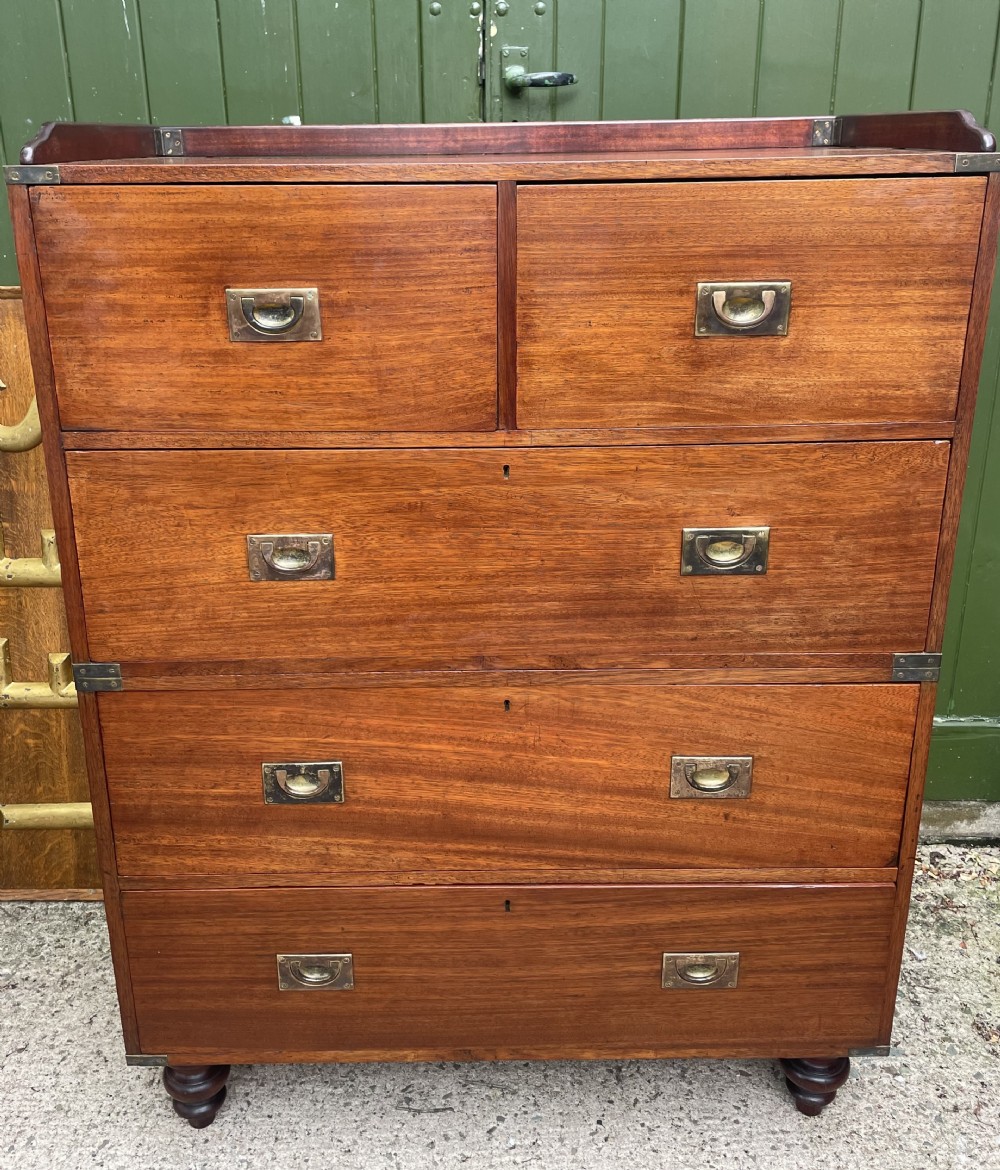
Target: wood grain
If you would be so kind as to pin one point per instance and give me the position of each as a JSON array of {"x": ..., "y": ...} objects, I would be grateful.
[
  {"x": 527, "y": 168},
  {"x": 42, "y": 750},
  {"x": 607, "y": 279},
  {"x": 62, "y": 517},
  {"x": 452, "y": 974},
  {"x": 507, "y": 306},
  {"x": 969, "y": 387},
  {"x": 570, "y": 562},
  {"x": 491, "y": 777},
  {"x": 137, "y": 317},
  {"x": 830, "y": 432}
]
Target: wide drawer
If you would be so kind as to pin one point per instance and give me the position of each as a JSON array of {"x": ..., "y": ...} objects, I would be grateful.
[
  {"x": 507, "y": 972},
  {"x": 135, "y": 282},
  {"x": 541, "y": 558},
  {"x": 880, "y": 273},
  {"x": 482, "y": 778}
]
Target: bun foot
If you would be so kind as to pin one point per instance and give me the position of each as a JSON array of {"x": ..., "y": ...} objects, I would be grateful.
[
  {"x": 197, "y": 1091},
  {"x": 813, "y": 1083}
]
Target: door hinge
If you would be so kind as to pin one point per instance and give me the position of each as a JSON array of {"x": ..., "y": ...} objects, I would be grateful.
[
  {"x": 826, "y": 131},
  {"x": 916, "y": 667},
  {"x": 145, "y": 1061},
  {"x": 98, "y": 676},
  {"x": 22, "y": 176},
  {"x": 169, "y": 141}
]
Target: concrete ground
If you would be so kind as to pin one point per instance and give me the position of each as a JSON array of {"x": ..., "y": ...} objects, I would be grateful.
[{"x": 68, "y": 1100}]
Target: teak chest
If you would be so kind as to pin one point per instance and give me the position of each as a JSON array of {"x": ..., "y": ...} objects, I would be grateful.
[{"x": 506, "y": 570}]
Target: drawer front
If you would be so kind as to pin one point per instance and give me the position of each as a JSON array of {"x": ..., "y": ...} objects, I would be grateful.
[
  {"x": 881, "y": 277},
  {"x": 447, "y": 560},
  {"x": 135, "y": 282},
  {"x": 483, "y": 778},
  {"x": 515, "y": 971}
]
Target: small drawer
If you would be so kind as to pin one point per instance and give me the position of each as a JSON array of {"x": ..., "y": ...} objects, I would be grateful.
[
  {"x": 698, "y": 304},
  {"x": 484, "y": 778},
  {"x": 369, "y": 308},
  {"x": 515, "y": 972},
  {"x": 543, "y": 559}
]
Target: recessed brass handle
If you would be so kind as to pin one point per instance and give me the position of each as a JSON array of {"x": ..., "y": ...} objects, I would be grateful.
[
  {"x": 706, "y": 551},
  {"x": 274, "y": 314},
  {"x": 272, "y": 318},
  {"x": 743, "y": 312},
  {"x": 756, "y": 308},
  {"x": 716, "y": 777},
  {"x": 290, "y": 556},
  {"x": 692, "y": 969},
  {"x": 321, "y": 782},
  {"x": 315, "y": 972}
]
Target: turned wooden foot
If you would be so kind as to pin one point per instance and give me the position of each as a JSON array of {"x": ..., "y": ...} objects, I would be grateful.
[
  {"x": 814, "y": 1082},
  {"x": 197, "y": 1091}
]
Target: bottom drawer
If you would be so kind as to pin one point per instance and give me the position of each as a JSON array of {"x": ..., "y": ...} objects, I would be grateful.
[{"x": 508, "y": 972}]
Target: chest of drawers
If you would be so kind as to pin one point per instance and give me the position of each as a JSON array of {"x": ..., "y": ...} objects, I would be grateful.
[{"x": 506, "y": 571}]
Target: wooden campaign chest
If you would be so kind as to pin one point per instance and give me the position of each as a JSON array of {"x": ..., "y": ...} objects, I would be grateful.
[{"x": 506, "y": 569}]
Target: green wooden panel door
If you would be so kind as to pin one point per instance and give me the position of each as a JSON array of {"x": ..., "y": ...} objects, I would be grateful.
[{"x": 215, "y": 61}]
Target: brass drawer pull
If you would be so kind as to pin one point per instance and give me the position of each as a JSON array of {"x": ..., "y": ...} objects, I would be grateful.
[
  {"x": 691, "y": 969},
  {"x": 710, "y": 776},
  {"x": 273, "y": 314},
  {"x": 747, "y": 308},
  {"x": 302, "y": 556},
  {"x": 314, "y": 783},
  {"x": 707, "y": 551},
  {"x": 315, "y": 972}
]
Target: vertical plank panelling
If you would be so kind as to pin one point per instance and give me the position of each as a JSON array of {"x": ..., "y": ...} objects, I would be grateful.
[
  {"x": 954, "y": 61},
  {"x": 449, "y": 36},
  {"x": 259, "y": 59},
  {"x": 521, "y": 37},
  {"x": 183, "y": 58},
  {"x": 578, "y": 40},
  {"x": 104, "y": 51},
  {"x": 875, "y": 61},
  {"x": 719, "y": 67},
  {"x": 337, "y": 60},
  {"x": 642, "y": 55},
  {"x": 798, "y": 49},
  {"x": 398, "y": 60},
  {"x": 34, "y": 88}
]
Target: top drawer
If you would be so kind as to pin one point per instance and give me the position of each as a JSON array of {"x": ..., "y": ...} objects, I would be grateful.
[
  {"x": 880, "y": 271},
  {"x": 135, "y": 283}
]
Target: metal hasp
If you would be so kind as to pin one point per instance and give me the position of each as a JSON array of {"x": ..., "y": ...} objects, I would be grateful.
[
  {"x": 724, "y": 551},
  {"x": 916, "y": 667},
  {"x": 742, "y": 308},
  {"x": 710, "y": 777},
  {"x": 315, "y": 972},
  {"x": 20, "y": 175},
  {"x": 290, "y": 556},
  {"x": 98, "y": 676},
  {"x": 708, "y": 969},
  {"x": 316, "y": 783},
  {"x": 274, "y": 314}
]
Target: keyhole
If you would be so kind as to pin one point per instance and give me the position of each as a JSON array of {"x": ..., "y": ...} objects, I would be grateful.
[
  {"x": 506, "y": 471},
  {"x": 506, "y": 906},
  {"x": 506, "y": 704}
]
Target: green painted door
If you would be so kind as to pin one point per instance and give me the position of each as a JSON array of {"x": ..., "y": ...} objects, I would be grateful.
[{"x": 210, "y": 61}]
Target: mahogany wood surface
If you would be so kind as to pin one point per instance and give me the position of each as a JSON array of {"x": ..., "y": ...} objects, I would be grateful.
[
  {"x": 525, "y": 168},
  {"x": 491, "y": 777},
  {"x": 881, "y": 274},
  {"x": 831, "y": 432},
  {"x": 969, "y": 387},
  {"x": 507, "y": 971},
  {"x": 949, "y": 130},
  {"x": 62, "y": 518},
  {"x": 570, "y": 560},
  {"x": 137, "y": 317}
]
